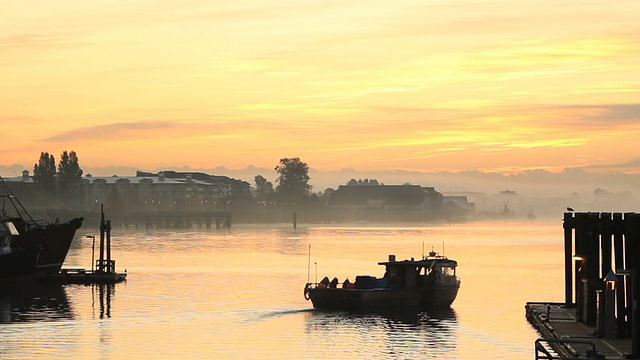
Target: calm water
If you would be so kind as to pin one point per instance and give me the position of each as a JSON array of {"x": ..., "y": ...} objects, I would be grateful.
[{"x": 221, "y": 294}]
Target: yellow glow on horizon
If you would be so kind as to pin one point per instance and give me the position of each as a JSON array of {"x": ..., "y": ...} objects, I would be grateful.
[{"x": 417, "y": 85}]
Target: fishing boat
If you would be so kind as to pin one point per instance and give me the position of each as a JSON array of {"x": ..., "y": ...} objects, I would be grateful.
[
  {"x": 50, "y": 241},
  {"x": 14, "y": 262},
  {"x": 428, "y": 282}
]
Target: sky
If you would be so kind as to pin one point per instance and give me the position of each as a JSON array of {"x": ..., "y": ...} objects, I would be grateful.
[{"x": 414, "y": 86}]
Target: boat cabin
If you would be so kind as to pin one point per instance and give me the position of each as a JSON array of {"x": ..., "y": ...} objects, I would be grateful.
[
  {"x": 417, "y": 274},
  {"x": 7, "y": 230}
]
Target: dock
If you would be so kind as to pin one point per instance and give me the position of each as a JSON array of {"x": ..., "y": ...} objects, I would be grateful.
[
  {"x": 83, "y": 276},
  {"x": 599, "y": 318},
  {"x": 567, "y": 338},
  {"x": 104, "y": 269}
]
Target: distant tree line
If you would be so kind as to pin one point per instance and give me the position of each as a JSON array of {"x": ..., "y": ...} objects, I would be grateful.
[
  {"x": 54, "y": 181},
  {"x": 360, "y": 182}
]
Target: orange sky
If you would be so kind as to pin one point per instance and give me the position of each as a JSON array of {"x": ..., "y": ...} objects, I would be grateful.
[{"x": 416, "y": 85}]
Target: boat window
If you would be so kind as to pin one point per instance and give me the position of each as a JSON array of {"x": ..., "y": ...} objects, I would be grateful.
[
  {"x": 12, "y": 228},
  {"x": 446, "y": 270}
]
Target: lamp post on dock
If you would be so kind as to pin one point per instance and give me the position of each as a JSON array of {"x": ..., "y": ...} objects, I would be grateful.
[
  {"x": 633, "y": 289},
  {"x": 579, "y": 291},
  {"x": 93, "y": 247},
  {"x": 609, "y": 321}
]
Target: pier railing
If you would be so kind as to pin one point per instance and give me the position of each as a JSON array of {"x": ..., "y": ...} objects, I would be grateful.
[{"x": 548, "y": 349}]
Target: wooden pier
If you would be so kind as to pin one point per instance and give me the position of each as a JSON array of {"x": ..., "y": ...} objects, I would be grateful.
[
  {"x": 177, "y": 219},
  {"x": 601, "y": 258}
]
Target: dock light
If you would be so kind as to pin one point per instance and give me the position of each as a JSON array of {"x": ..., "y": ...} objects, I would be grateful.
[
  {"x": 610, "y": 280},
  {"x": 581, "y": 259}
]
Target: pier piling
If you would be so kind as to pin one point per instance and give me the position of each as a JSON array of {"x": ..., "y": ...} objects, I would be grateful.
[{"x": 596, "y": 244}]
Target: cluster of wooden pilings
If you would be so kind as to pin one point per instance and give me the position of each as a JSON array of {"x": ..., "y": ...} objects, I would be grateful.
[
  {"x": 602, "y": 255},
  {"x": 178, "y": 219}
]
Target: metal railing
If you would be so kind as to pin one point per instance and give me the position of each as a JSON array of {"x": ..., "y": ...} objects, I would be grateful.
[{"x": 546, "y": 353}]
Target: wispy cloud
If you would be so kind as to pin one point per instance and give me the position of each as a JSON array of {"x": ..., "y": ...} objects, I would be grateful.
[{"x": 115, "y": 131}]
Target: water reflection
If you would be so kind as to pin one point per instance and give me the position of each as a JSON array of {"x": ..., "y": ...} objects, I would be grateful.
[
  {"x": 32, "y": 301},
  {"x": 430, "y": 333},
  {"x": 101, "y": 295}
]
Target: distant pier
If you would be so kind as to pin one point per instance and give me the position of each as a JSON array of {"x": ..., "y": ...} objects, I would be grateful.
[
  {"x": 161, "y": 219},
  {"x": 178, "y": 219},
  {"x": 601, "y": 260}
]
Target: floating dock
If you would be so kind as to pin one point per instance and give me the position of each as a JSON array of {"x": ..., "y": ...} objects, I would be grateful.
[
  {"x": 83, "y": 276},
  {"x": 104, "y": 269}
]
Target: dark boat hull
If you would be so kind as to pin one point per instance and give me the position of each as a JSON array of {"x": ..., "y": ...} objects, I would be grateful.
[
  {"x": 51, "y": 241},
  {"x": 18, "y": 263},
  {"x": 381, "y": 298}
]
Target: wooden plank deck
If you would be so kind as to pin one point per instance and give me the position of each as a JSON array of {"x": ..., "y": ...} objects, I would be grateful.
[{"x": 562, "y": 325}]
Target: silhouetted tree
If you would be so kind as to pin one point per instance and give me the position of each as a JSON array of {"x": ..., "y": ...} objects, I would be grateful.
[
  {"x": 293, "y": 180},
  {"x": 263, "y": 188},
  {"x": 354, "y": 182},
  {"x": 69, "y": 171},
  {"x": 44, "y": 174}
]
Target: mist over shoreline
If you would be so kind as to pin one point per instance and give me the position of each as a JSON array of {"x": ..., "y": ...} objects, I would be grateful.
[{"x": 539, "y": 183}]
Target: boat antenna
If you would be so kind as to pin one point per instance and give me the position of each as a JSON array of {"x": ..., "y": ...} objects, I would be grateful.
[
  {"x": 309, "y": 264},
  {"x": 443, "y": 248},
  {"x": 423, "y": 250},
  {"x": 316, "y": 264}
]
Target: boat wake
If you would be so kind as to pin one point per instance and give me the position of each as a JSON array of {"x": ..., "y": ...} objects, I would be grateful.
[{"x": 274, "y": 314}]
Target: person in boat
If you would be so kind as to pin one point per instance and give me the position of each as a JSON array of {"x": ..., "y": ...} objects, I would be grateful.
[
  {"x": 346, "y": 283},
  {"x": 325, "y": 281},
  {"x": 334, "y": 283}
]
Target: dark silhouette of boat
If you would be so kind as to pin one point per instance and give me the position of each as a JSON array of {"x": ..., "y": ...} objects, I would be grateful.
[
  {"x": 27, "y": 237},
  {"x": 15, "y": 263},
  {"x": 429, "y": 282}
]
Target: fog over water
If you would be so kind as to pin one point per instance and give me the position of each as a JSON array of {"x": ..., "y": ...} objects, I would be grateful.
[{"x": 541, "y": 192}]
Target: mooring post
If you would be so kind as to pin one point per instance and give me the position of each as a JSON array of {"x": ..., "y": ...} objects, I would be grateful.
[
  {"x": 102, "y": 229},
  {"x": 108, "y": 229},
  {"x": 606, "y": 233},
  {"x": 582, "y": 260},
  {"x": 593, "y": 277},
  {"x": 618, "y": 257},
  {"x": 568, "y": 258},
  {"x": 635, "y": 316},
  {"x": 633, "y": 263}
]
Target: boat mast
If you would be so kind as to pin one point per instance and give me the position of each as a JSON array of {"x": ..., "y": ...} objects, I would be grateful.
[
  {"x": 309, "y": 265},
  {"x": 12, "y": 197}
]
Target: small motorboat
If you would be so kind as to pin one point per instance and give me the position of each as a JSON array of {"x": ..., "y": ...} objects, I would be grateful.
[{"x": 428, "y": 282}]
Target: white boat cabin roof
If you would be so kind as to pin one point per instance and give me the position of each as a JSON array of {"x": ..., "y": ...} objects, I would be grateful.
[{"x": 426, "y": 262}]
